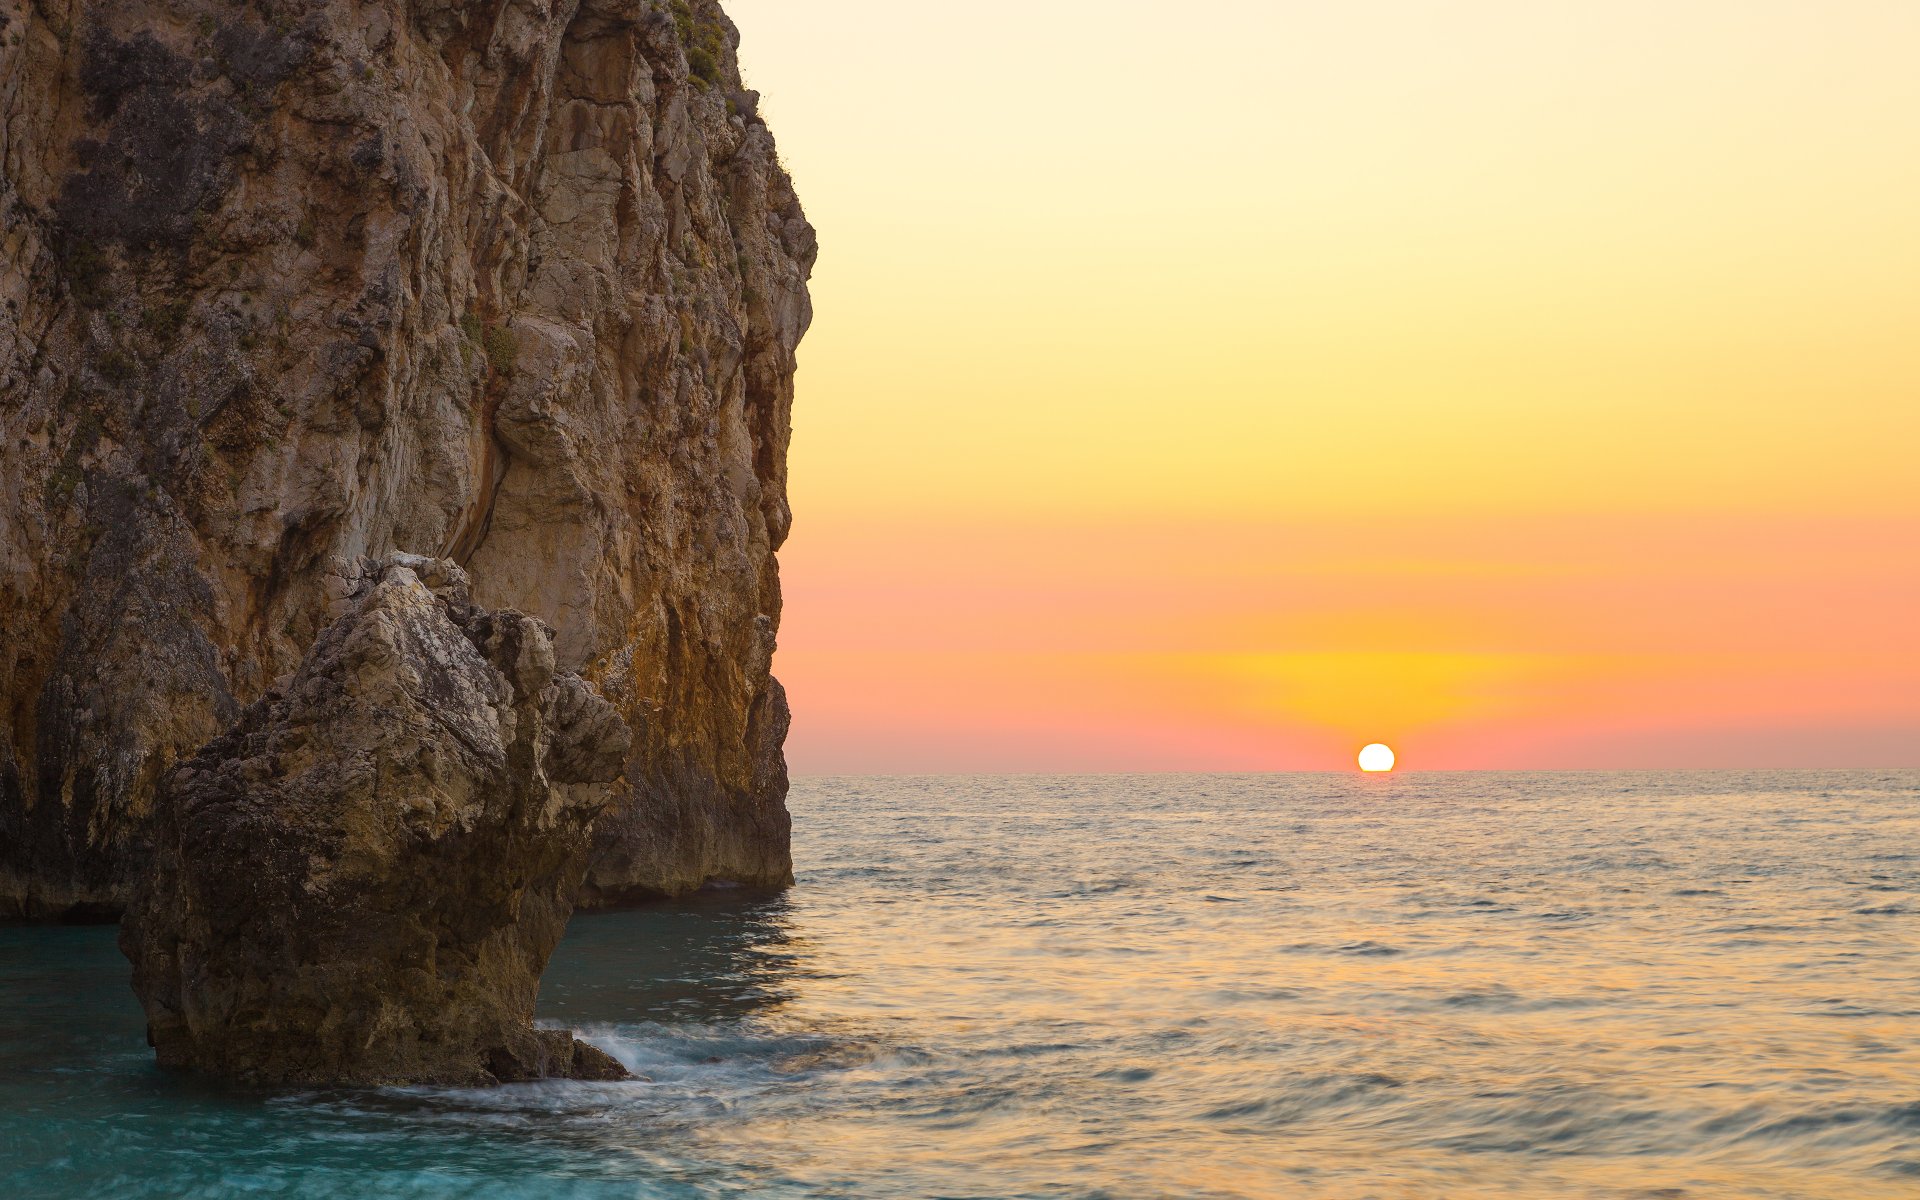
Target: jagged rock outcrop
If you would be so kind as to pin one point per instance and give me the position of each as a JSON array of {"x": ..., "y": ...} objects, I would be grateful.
[
  {"x": 287, "y": 283},
  {"x": 361, "y": 881}
]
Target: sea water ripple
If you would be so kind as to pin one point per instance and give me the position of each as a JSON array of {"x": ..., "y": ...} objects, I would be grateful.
[{"x": 1632, "y": 985}]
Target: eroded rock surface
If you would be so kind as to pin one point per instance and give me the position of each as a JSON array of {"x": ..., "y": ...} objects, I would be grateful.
[
  {"x": 361, "y": 881},
  {"x": 292, "y": 282}
]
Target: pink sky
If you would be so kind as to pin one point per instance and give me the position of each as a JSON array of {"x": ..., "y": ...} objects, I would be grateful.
[{"x": 1485, "y": 642}]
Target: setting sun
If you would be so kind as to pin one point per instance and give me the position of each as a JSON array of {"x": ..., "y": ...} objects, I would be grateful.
[{"x": 1376, "y": 758}]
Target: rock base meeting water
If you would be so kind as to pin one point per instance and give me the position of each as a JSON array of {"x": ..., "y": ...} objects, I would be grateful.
[{"x": 360, "y": 882}]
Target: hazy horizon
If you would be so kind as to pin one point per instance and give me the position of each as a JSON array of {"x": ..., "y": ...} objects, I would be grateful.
[
  {"x": 1522, "y": 386},
  {"x": 1405, "y": 770}
]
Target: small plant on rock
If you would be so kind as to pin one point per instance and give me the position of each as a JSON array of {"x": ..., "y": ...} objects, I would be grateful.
[{"x": 502, "y": 349}]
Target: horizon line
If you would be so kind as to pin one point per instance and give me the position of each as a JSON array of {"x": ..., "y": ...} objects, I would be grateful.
[{"x": 1354, "y": 772}]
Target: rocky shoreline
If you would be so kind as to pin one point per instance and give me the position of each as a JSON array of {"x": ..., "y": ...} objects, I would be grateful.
[{"x": 304, "y": 297}]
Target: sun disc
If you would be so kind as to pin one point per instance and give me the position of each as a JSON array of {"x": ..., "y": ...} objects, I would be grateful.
[{"x": 1376, "y": 758}]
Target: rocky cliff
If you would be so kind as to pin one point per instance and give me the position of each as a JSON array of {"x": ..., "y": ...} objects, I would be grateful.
[
  {"x": 361, "y": 882},
  {"x": 292, "y": 282}
]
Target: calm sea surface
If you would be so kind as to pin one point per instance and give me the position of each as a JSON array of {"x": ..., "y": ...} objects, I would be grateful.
[{"x": 1159, "y": 986}]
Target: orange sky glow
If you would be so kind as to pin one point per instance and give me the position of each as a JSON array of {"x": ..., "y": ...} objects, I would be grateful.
[{"x": 1520, "y": 385}]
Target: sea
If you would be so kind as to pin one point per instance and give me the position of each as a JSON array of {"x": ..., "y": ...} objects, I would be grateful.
[{"x": 1418, "y": 985}]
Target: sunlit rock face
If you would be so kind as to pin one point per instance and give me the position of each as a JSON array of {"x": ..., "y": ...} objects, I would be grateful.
[
  {"x": 288, "y": 283},
  {"x": 361, "y": 881}
]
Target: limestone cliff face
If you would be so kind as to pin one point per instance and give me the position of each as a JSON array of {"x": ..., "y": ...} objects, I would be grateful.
[{"x": 289, "y": 283}]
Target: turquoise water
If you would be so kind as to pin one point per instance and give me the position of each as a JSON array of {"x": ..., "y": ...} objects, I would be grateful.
[{"x": 1420, "y": 986}]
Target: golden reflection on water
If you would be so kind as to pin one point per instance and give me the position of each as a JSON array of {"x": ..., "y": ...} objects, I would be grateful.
[{"x": 1489, "y": 986}]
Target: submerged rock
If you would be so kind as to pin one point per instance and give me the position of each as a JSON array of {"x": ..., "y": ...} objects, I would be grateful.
[{"x": 361, "y": 881}]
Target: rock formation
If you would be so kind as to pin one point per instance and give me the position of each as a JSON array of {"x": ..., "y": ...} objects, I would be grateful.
[
  {"x": 289, "y": 283},
  {"x": 361, "y": 881}
]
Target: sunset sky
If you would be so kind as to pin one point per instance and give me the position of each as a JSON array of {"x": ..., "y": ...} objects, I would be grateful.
[{"x": 1227, "y": 387}]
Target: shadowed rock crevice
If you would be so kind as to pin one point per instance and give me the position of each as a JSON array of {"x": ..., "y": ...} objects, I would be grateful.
[{"x": 361, "y": 881}]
